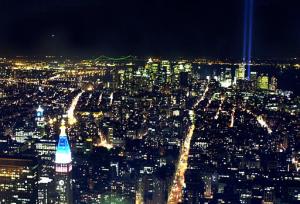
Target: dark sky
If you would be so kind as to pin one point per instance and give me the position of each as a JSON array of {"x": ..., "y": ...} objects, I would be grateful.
[{"x": 211, "y": 28}]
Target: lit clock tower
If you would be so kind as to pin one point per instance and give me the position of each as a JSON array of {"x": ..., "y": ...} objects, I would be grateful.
[{"x": 63, "y": 168}]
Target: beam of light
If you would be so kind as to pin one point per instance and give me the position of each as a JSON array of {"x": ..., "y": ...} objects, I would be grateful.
[
  {"x": 250, "y": 30},
  {"x": 245, "y": 30},
  {"x": 248, "y": 34}
]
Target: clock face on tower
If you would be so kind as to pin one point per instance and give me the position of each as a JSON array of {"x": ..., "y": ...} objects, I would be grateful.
[{"x": 61, "y": 182}]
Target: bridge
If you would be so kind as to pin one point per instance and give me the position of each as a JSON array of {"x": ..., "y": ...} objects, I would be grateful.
[{"x": 116, "y": 59}]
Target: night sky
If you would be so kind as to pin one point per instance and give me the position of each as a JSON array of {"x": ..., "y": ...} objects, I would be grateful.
[{"x": 190, "y": 28}]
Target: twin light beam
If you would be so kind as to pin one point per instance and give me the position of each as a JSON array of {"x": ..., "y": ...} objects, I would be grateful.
[{"x": 248, "y": 29}]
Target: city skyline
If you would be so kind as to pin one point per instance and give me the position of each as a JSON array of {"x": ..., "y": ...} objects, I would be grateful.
[
  {"x": 149, "y": 102},
  {"x": 148, "y": 131}
]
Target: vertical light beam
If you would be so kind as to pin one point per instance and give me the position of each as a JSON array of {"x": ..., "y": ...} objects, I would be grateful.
[
  {"x": 250, "y": 33},
  {"x": 245, "y": 30}
]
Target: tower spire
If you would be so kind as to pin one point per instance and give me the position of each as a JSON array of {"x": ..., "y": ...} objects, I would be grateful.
[
  {"x": 63, "y": 167},
  {"x": 63, "y": 150},
  {"x": 63, "y": 128}
]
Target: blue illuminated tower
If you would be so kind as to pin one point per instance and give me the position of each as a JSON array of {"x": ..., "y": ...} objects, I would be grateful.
[
  {"x": 63, "y": 168},
  {"x": 40, "y": 121}
]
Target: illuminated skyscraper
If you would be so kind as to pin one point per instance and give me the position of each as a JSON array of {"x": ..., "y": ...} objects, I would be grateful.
[
  {"x": 273, "y": 84},
  {"x": 40, "y": 123},
  {"x": 46, "y": 152},
  {"x": 240, "y": 72},
  {"x": 263, "y": 82},
  {"x": 63, "y": 168},
  {"x": 226, "y": 78},
  {"x": 165, "y": 72}
]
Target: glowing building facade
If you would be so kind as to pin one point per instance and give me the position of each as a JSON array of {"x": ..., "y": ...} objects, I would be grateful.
[
  {"x": 240, "y": 72},
  {"x": 63, "y": 168},
  {"x": 263, "y": 82},
  {"x": 273, "y": 84},
  {"x": 40, "y": 123},
  {"x": 40, "y": 117},
  {"x": 226, "y": 78}
]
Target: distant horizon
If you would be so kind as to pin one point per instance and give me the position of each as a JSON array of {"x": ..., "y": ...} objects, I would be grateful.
[{"x": 148, "y": 56}]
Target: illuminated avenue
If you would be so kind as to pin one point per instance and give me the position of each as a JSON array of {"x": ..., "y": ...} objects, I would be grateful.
[{"x": 175, "y": 195}]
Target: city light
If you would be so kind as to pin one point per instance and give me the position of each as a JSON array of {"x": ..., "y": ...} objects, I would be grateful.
[
  {"x": 139, "y": 102},
  {"x": 70, "y": 113}
]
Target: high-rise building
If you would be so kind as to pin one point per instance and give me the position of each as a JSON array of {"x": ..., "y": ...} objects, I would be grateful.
[
  {"x": 226, "y": 78},
  {"x": 18, "y": 180},
  {"x": 263, "y": 82},
  {"x": 40, "y": 123},
  {"x": 253, "y": 76},
  {"x": 273, "y": 84},
  {"x": 63, "y": 168},
  {"x": 110, "y": 135},
  {"x": 46, "y": 152},
  {"x": 208, "y": 187},
  {"x": 240, "y": 72},
  {"x": 165, "y": 72},
  {"x": 23, "y": 134}
]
